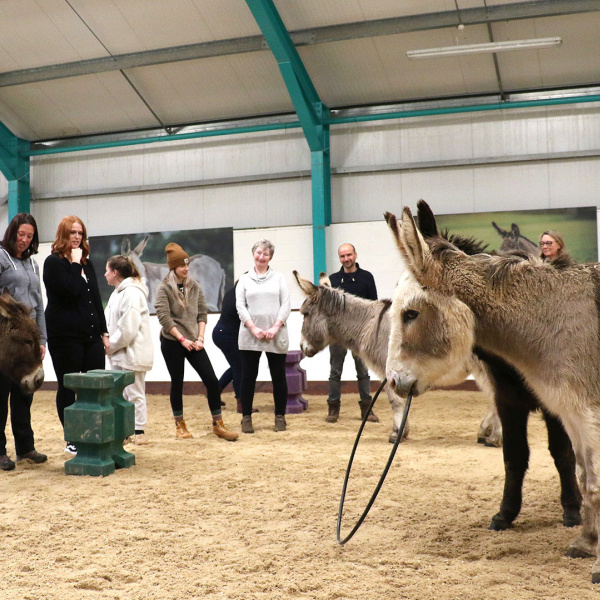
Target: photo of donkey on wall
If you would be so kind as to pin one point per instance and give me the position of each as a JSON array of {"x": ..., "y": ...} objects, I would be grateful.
[{"x": 210, "y": 251}]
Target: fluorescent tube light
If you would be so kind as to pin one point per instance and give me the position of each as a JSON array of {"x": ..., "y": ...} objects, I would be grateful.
[{"x": 483, "y": 48}]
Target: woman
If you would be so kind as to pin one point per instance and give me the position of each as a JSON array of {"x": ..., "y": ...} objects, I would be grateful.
[
  {"x": 182, "y": 313},
  {"x": 77, "y": 334},
  {"x": 263, "y": 304},
  {"x": 130, "y": 339},
  {"x": 20, "y": 274},
  {"x": 552, "y": 245}
]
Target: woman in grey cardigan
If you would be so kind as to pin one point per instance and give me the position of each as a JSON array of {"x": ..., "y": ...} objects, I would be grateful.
[
  {"x": 21, "y": 275},
  {"x": 263, "y": 304},
  {"x": 182, "y": 313}
]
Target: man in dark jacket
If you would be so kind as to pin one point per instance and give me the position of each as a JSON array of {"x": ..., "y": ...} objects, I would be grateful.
[{"x": 350, "y": 278}]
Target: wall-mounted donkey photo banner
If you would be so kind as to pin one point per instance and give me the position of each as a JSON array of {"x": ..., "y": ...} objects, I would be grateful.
[
  {"x": 210, "y": 251},
  {"x": 522, "y": 229}
]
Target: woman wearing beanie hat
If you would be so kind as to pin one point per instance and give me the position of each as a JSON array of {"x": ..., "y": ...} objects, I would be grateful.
[{"x": 182, "y": 313}]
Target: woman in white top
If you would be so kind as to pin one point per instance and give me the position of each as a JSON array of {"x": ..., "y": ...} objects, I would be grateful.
[
  {"x": 130, "y": 339},
  {"x": 263, "y": 304}
]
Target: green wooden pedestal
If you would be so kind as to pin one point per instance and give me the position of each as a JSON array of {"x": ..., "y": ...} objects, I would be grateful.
[
  {"x": 124, "y": 417},
  {"x": 90, "y": 424}
]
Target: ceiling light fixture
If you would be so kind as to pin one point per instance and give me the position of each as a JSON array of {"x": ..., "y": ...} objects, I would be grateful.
[{"x": 485, "y": 48}]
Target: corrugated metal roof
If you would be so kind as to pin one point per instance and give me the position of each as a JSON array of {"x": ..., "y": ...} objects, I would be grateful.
[{"x": 237, "y": 75}]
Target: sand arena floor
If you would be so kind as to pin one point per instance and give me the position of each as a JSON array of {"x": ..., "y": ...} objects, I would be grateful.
[{"x": 255, "y": 519}]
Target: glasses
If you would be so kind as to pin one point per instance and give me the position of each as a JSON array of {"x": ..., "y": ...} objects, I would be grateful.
[{"x": 546, "y": 244}]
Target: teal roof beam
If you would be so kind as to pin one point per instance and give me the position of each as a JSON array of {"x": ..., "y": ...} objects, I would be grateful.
[{"x": 304, "y": 96}]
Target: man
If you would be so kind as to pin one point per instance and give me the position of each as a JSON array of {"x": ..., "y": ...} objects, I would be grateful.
[{"x": 350, "y": 278}]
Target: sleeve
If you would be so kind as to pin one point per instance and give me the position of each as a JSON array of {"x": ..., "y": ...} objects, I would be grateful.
[
  {"x": 372, "y": 288},
  {"x": 284, "y": 300},
  {"x": 95, "y": 291},
  {"x": 40, "y": 318},
  {"x": 202, "y": 307},
  {"x": 163, "y": 308},
  {"x": 240, "y": 300},
  {"x": 63, "y": 278},
  {"x": 128, "y": 323}
]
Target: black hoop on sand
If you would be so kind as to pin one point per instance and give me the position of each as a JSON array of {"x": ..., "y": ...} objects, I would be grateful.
[{"x": 385, "y": 470}]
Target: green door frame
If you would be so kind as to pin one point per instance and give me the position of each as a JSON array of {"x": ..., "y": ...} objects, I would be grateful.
[{"x": 14, "y": 165}]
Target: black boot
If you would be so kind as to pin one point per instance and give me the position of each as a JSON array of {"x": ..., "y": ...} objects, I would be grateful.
[
  {"x": 334, "y": 412},
  {"x": 364, "y": 407}
]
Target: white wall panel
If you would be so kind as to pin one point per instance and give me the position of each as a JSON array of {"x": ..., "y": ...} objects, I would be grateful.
[
  {"x": 515, "y": 187},
  {"x": 574, "y": 183},
  {"x": 449, "y": 191}
]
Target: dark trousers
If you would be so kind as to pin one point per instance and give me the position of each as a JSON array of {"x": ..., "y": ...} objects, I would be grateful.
[
  {"x": 337, "y": 354},
  {"x": 20, "y": 416},
  {"x": 250, "y": 361},
  {"x": 227, "y": 343},
  {"x": 70, "y": 355},
  {"x": 175, "y": 356}
]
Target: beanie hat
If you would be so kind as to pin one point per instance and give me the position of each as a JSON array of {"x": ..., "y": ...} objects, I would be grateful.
[{"x": 176, "y": 256}]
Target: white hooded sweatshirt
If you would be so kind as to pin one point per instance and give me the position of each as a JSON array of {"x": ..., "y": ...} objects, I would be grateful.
[{"x": 128, "y": 323}]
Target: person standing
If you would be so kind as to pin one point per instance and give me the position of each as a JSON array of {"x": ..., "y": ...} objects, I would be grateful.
[
  {"x": 77, "y": 333},
  {"x": 263, "y": 304},
  {"x": 354, "y": 280},
  {"x": 130, "y": 342},
  {"x": 182, "y": 313},
  {"x": 20, "y": 274}
]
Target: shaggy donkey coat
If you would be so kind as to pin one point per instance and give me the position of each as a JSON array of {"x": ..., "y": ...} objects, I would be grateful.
[{"x": 541, "y": 319}]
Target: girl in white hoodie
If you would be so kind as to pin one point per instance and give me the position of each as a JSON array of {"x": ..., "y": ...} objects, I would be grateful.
[{"x": 130, "y": 340}]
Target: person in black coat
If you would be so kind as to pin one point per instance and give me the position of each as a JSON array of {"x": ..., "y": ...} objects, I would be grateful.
[{"x": 77, "y": 333}]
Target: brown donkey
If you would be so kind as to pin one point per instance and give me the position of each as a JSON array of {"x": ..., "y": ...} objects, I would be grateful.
[{"x": 540, "y": 318}]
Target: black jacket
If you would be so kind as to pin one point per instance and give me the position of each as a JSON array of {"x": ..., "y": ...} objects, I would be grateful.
[
  {"x": 74, "y": 307},
  {"x": 360, "y": 283}
]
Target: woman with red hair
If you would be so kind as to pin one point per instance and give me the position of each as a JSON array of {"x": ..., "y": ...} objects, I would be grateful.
[{"x": 77, "y": 333}]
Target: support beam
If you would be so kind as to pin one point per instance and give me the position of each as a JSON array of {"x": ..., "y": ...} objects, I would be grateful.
[
  {"x": 14, "y": 165},
  {"x": 312, "y": 114},
  {"x": 306, "y": 37}
]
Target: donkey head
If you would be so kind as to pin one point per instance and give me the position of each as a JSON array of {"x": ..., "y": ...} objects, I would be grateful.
[
  {"x": 432, "y": 334},
  {"x": 321, "y": 301},
  {"x": 20, "y": 354}
]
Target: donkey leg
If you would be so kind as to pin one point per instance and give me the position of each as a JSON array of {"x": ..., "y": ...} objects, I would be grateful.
[
  {"x": 397, "y": 403},
  {"x": 561, "y": 450},
  {"x": 516, "y": 460},
  {"x": 490, "y": 429}
]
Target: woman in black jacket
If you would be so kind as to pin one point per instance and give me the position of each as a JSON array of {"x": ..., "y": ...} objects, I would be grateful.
[{"x": 77, "y": 335}]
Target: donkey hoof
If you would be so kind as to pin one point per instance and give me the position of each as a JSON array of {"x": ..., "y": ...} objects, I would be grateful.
[
  {"x": 571, "y": 518},
  {"x": 577, "y": 552},
  {"x": 499, "y": 523},
  {"x": 480, "y": 439}
]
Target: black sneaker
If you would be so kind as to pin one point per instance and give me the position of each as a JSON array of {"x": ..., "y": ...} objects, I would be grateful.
[
  {"x": 6, "y": 464},
  {"x": 71, "y": 449},
  {"x": 33, "y": 456}
]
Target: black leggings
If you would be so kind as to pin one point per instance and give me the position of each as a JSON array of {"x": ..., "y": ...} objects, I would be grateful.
[
  {"x": 70, "y": 355},
  {"x": 175, "y": 356},
  {"x": 20, "y": 416},
  {"x": 250, "y": 360}
]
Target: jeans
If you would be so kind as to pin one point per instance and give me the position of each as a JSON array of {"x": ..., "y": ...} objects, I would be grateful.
[
  {"x": 175, "y": 356},
  {"x": 250, "y": 361},
  {"x": 337, "y": 354},
  {"x": 20, "y": 416},
  {"x": 70, "y": 355},
  {"x": 227, "y": 343}
]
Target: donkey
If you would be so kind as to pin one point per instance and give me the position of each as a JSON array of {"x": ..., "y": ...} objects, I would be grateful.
[
  {"x": 513, "y": 240},
  {"x": 540, "y": 318},
  {"x": 20, "y": 354},
  {"x": 332, "y": 316},
  {"x": 204, "y": 269}
]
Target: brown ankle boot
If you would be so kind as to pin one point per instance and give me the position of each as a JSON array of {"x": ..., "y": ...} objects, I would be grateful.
[
  {"x": 182, "y": 432},
  {"x": 247, "y": 424},
  {"x": 221, "y": 431},
  {"x": 334, "y": 412}
]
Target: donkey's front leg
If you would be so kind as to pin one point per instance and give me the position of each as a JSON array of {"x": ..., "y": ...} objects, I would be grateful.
[{"x": 397, "y": 403}]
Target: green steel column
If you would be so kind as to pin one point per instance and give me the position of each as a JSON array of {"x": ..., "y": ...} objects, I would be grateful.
[{"x": 14, "y": 165}]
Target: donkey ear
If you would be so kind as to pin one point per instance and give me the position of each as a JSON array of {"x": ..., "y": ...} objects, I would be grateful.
[
  {"x": 125, "y": 247},
  {"x": 308, "y": 287},
  {"x": 499, "y": 229},
  {"x": 141, "y": 246},
  {"x": 412, "y": 246},
  {"x": 426, "y": 219},
  {"x": 515, "y": 230},
  {"x": 324, "y": 279},
  {"x": 6, "y": 302}
]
